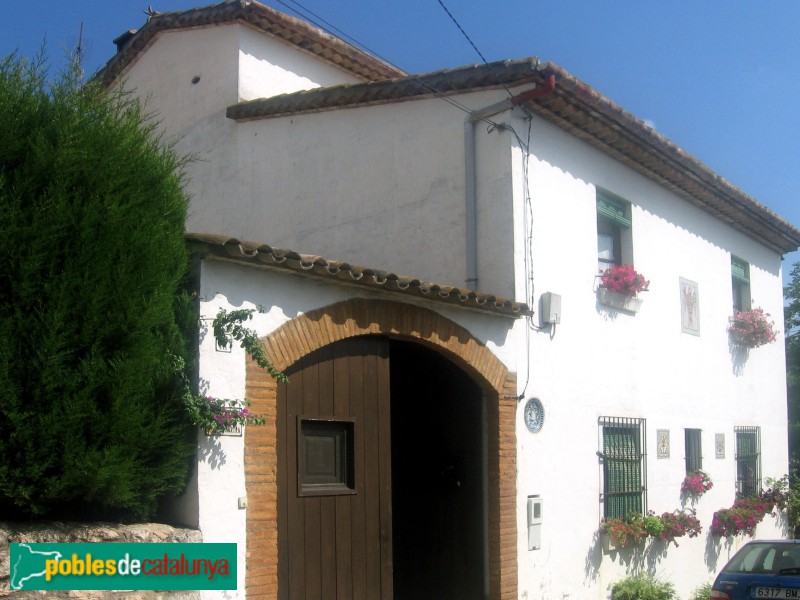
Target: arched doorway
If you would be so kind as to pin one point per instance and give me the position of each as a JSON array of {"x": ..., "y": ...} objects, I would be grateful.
[
  {"x": 378, "y": 319},
  {"x": 381, "y": 475}
]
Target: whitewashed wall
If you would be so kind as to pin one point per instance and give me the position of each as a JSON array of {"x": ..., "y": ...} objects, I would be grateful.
[
  {"x": 188, "y": 75},
  {"x": 268, "y": 67},
  {"x": 600, "y": 362},
  {"x": 383, "y": 186}
]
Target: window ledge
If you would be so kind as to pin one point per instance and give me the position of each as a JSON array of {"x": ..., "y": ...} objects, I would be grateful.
[{"x": 629, "y": 304}]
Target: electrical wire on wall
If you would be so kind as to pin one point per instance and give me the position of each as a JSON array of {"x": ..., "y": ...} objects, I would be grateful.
[
  {"x": 328, "y": 27},
  {"x": 527, "y": 225},
  {"x": 527, "y": 212},
  {"x": 530, "y": 294}
]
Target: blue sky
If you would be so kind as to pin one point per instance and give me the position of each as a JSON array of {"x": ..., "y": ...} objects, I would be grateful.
[{"x": 721, "y": 80}]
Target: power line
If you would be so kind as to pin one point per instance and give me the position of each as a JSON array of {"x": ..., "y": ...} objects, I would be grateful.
[
  {"x": 461, "y": 29},
  {"x": 331, "y": 28},
  {"x": 483, "y": 58},
  {"x": 316, "y": 19}
]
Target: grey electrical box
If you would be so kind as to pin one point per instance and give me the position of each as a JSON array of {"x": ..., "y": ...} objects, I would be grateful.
[
  {"x": 534, "y": 522},
  {"x": 551, "y": 308}
]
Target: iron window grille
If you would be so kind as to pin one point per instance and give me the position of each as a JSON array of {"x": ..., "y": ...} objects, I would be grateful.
[
  {"x": 748, "y": 460},
  {"x": 623, "y": 459},
  {"x": 694, "y": 450}
]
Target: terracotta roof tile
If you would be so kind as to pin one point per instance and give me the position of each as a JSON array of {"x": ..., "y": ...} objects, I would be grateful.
[
  {"x": 415, "y": 87},
  {"x": 218, "y": 247},
  {"x": 290, "y": 29}
]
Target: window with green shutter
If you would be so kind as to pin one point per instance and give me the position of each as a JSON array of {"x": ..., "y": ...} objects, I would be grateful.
[
  {"x": 613, "y": 230},
  {"x": 740, "y": 284},
  {"x": 623, "y": 464},
  {"x": 693, "y": 448}
]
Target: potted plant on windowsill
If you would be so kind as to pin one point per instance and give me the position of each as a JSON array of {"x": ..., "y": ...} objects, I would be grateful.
[
  {"x": 696, "y": 483},
  {"x": 680, "y": 523},
  {"x": 619, "y": 286},
  {"x": 623, "y": 532},
  {"x": 752, "y": 328}
]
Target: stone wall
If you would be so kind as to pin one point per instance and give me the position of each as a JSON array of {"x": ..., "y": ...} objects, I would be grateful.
[{"x": 61, "y": 532}]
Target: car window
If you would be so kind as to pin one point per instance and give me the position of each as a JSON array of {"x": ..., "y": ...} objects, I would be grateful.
[{"x": 764, "y": 558}]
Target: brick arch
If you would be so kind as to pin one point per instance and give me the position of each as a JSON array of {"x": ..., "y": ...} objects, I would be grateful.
[{"x": 358, "y": 316}]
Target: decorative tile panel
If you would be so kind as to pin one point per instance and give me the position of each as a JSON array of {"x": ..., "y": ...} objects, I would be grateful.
[{"x": 662, "y": 443}]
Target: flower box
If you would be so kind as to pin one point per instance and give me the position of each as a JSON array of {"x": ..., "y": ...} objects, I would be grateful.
[
  {"x": 623, "y": 279},
  {"x": 696, "y": 483},
  {"x": 752, "y": 328},
  {"x": 616, "y": 533},
  {"x": 619, "y": 301}
]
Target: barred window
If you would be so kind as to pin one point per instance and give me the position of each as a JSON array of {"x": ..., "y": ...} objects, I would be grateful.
[
  {"x": 748, "y": 460},
  {"x": 623, "y": 462},
  {"x": 694, "y": 450}
]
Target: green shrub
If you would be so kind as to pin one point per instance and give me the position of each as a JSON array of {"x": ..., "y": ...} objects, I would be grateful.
[
  {"x": 91, "y": 261},
  {"x": 642, "y": 587},
  {"x": 653, "y": 525},
  {"x": 701, "y": 593}
]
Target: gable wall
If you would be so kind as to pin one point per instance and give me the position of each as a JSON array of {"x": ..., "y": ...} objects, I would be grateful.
[
  {"x": 162, "y": 76},
  {"x": 268, "y": 67}
]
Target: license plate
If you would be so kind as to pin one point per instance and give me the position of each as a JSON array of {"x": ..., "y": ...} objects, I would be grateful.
[{"x": 773, "y": 592}]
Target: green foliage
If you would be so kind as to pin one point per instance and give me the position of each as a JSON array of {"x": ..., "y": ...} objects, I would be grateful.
[
  {"x": 653, "y": 524},
  {"x": 642, "y": 587},
  {"x": 701, "y": 593},
  {"x": 626, "y": 531},
  {"x": 91, "y": 261},
  {"x": 224, "y": 414},
  {"x": 792, "y": 329},
  {"x": 228, "y": 326},
  {"x": 786, "y": 493}
]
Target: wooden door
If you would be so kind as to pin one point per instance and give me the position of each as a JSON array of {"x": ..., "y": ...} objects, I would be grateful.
[{"x": 334, "y": 475}]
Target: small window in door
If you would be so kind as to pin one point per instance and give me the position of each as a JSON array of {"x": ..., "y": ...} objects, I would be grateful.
[{"x": 325, "y": 457}]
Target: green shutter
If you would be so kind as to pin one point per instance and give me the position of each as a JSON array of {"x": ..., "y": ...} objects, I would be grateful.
[
  {"x": 612, "y": 208},
  {"x": 740, "y": 270},
  {"x": 622, "y": 471}
]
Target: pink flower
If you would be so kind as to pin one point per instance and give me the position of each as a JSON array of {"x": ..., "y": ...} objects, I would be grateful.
[
  {"x": 623, "y": 279},
  {"x": 752, "y": 328}
]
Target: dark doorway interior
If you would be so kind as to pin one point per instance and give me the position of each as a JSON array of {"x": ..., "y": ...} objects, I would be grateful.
[{"x": 437, "y": 477}]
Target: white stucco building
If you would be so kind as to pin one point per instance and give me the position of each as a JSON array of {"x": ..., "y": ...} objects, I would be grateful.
[{"x": 398, "y": 462}]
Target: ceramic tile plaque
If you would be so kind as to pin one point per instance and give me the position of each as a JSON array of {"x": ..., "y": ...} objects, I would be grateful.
[
  {"x": 662, "y": 442},
  {"x": 719, "y": 445},
  {"x": 690, "y": 307}
]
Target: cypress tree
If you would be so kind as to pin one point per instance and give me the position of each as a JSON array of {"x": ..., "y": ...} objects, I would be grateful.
[
  {"x": 791, "y": 317},
  {"x": 92, "y": 258}
]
